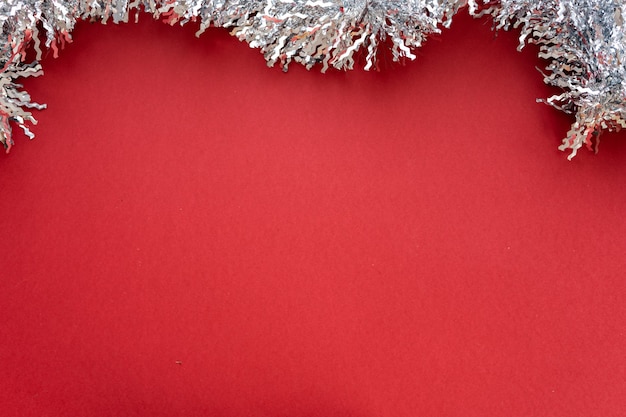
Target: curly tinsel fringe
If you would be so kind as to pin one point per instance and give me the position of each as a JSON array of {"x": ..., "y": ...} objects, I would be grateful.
[{"x": 583, "y": 40}]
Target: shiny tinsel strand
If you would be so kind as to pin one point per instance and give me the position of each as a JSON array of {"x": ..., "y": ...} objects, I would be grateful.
[
  {"x": 326, "y": 32},
  {"x": 583, "y": 41}
]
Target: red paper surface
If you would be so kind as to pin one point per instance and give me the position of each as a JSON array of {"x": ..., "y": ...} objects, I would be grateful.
[{"x": 194, "y": 234}]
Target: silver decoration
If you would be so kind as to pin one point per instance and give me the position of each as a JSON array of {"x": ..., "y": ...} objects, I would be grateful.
[
  {"x": 328, "y": 32},
  {"x": 583, "y": 40}
]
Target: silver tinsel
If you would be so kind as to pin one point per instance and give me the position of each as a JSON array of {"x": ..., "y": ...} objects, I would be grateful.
[{"x": 583, "y": 40}]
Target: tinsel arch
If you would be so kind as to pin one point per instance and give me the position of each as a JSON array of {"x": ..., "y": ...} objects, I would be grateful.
[{"x": 582, "y": 41}]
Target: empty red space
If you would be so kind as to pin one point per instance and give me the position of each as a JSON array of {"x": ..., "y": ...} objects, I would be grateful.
[{"x": 194, "y": 234}]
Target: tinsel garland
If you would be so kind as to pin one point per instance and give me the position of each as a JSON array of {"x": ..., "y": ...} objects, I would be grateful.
[{"x": 583, "y": 42}]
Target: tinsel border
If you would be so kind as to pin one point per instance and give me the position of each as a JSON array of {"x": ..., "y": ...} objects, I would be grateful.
[{"x": 583, "y": 41}]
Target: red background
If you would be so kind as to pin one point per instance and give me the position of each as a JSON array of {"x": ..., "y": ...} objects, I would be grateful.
[{"x": 407, "y": 242}]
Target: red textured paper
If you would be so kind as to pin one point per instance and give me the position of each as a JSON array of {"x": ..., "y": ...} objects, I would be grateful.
[{"x": 194, "y": 234}]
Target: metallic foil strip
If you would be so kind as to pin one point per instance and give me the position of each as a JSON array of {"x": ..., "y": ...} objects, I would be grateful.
[
  {"x": 584, "y": 43},
  {"x": 310, "y": 32}
]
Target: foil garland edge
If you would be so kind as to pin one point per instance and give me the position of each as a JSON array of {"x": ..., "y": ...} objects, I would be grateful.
[{"x": 582, "y": 41}]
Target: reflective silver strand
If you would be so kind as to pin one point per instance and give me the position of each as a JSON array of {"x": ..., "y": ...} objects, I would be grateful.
[
  {"x": 583, "y": 40},
  {"x": 327, "y": 32}
]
